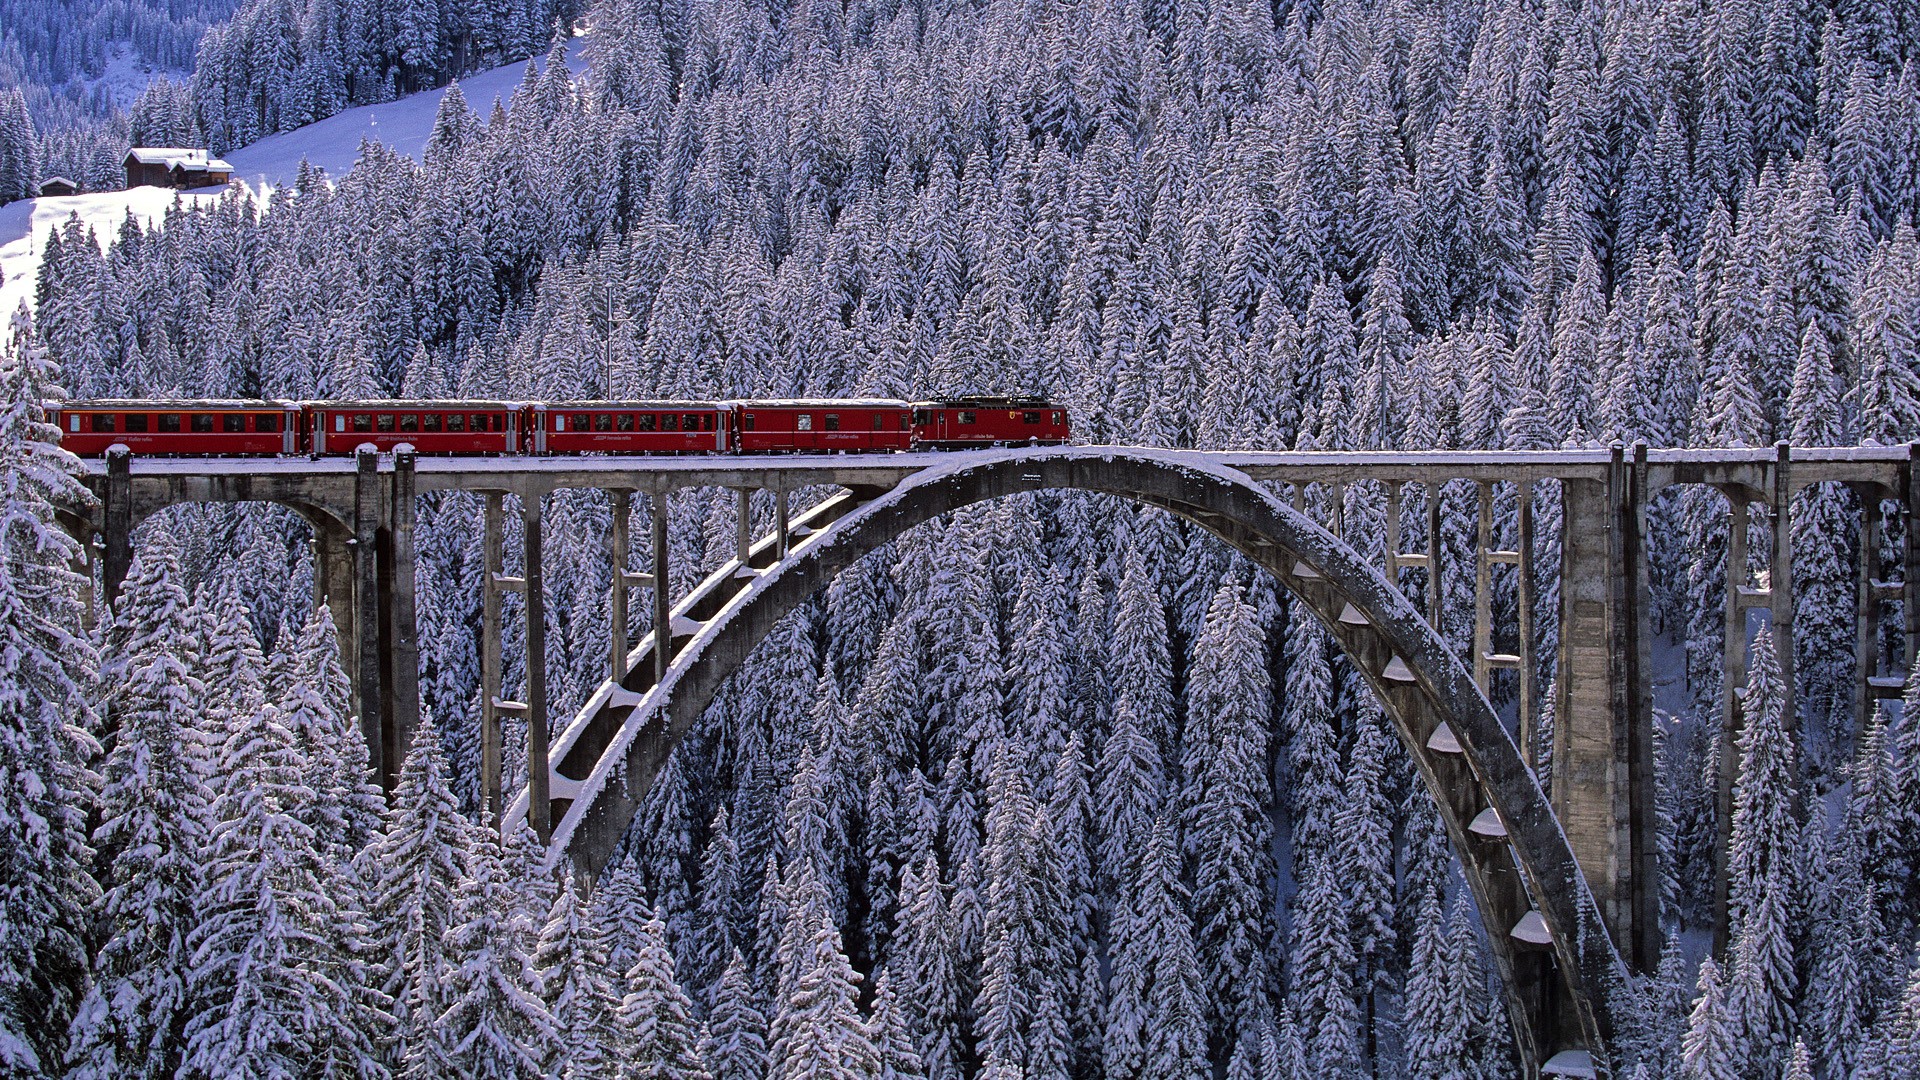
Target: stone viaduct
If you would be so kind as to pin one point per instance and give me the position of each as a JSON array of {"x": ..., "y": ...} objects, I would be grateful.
[{"x": 1565, "y": 878}]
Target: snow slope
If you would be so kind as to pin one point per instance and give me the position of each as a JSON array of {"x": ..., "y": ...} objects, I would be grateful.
[
  {"x": 24, "y": 226},
  {"x": 334, "y": 143}
]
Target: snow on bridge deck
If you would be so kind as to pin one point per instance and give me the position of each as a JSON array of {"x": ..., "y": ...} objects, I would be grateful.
[{"x": 1879, "y": 464}]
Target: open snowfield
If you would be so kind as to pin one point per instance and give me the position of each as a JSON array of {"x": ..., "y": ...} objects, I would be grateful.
[
  {"x": 24, "y": 227},
  {"x": 332, "y": 144}
]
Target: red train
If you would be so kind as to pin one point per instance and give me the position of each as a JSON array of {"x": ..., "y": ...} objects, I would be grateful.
[{"x": 800, "y": 426}]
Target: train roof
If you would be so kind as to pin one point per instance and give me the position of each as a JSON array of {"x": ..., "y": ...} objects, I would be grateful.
[
  {"x": 378, "y": 403},
  {"x": 989, "y": 401},
  {"x": 162, "y": 404},
  {"x": 822, "y": 403},
  {"x": 634, "y": 404}
]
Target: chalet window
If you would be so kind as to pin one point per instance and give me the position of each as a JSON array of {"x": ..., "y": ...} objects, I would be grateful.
[
  {"x": 409, "y": 422},
  {"x": 170, "y": 423},
  {"x": 383, "y": 422},
  {"x": 647, "y": 421},
  {"x": 603, "y": 421},
  {"x": 363, "y": 421},
  {"x": 804, "y": 422},
  {"x": 623, "y": 421},
  {"x": 456, "y": 421},
  {"x": 832, "y": 421},
  {"x": 201, "y": 423},
  {"x": 104, "y": 421},
  {"x": 430, "y": 422},
  {"x": 137, "y": 423},
  {"x": 266, "y": 422},
  {"x": 669, "y": 421},
  {"x": 966, "y": 418},
  {"x": 1030, "y": 418},
  {"x": 233, "y": 423}
]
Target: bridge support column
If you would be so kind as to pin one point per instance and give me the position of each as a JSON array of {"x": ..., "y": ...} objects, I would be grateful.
[
  {"x": 119, "y": 522},
  {"x": 400, "y": 647},
  {"x": 369, "y": 668},
  {"x": 493, "y": 561},
  {"x": 662, "y": 590},
  {"x": 617, "y": 606},
  {"x": 1603, "y": 777},
  {"x": 539, "y": 805}
]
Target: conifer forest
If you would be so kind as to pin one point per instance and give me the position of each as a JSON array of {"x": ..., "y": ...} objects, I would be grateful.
[{"x": 1053, "y": 788}]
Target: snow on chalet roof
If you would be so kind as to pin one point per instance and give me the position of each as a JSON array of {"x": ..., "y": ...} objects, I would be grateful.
[{"x": 183, "y": 156}]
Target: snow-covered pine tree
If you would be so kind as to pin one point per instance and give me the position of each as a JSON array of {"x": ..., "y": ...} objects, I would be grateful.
[
  {"x": 887, "y": 1029},
  {"x": 1229, "y": 713},
  {"x": 46, "y": 665},
  {"x": 1323, "y": 989},
  {"x": 661, "y": 1035},
  {"x": 1710, "y": 1050},
  {"x": 414, "y": 871},
  {"x": 735, "y": 1046},
  {"x": 154, "y": 815},
  {"x": 924, "y": 961},
  {"x": 577, "y": 987},
  {"x": 494, "y": 1025},
  {"x": 817, "y": 1031},
  {"x": 1763, "y": 869},
  {"x": 346, "y": 809},
  {"x": 277, "y": 978}
]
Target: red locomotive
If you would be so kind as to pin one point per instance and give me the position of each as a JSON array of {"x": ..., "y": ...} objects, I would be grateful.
[{"x": 801, "y": 426}]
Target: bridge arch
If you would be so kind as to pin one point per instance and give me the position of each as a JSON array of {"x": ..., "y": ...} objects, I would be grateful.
[{"x": 1558, "y": 963}]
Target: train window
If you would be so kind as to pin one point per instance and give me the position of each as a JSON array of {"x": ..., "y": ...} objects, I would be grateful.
[
  {"x": 603, "y": 421},
  {"x": 646, "y": 421},
  {"x": 383, "y": 421},
  {"x": 137, "y": 423},
  {"x": 170, "y": 423},
  {"x": 669, "y": 421},
  {"x": 746, "y": 421},
  {"x": 363, "y": 421},
  {"x": 623, "y": 421},
  {"x": 73, "y": 422},
  {"x": 966, "y": 418},
  {"x": 832, "y": 421},
  {"x": 409, "y": 422},
  {"x": 233, "y": 422},
  {"x": 690, "y": 422},
  {"x": 104, "y": 421},
  {"x": 266, "y": 422},
  {"x": 921, "y": 416},
  {"x": 878, "y": 420},
  {"x": 706, "y": 421},
  {"x": 456, "y": 421},
  {"x": 1056, "y": 418},
  {"x": 803, "y": 422},
  {"x": 575, "y": 422},
  {"x": 481, "y": 422},
  {"x": 1030, "y": 418},
  {"x": 200, "y": 423},
  {"x": 430, "y": 422}
]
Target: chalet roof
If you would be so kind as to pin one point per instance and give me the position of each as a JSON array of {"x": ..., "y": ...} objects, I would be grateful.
[
  {"x": 58, "y": 180},
  {"x": 185, "y": 157}
]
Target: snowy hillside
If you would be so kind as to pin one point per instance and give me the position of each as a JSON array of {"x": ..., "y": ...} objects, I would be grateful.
[
  {"x": 24, "y": 226},
  {"x": 333, "y": 144}
]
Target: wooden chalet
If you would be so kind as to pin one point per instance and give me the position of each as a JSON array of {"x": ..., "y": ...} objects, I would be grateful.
[
  {"x": 58, "y": 185},
  {"x": 175, "y": 167}
]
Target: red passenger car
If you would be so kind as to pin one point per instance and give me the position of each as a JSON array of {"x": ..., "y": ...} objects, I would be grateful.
[
  {"x": 821, "y": 426},
  {"x": 430, "y": 427},
  {"x": 88, "y": 428},
  {"x": 629, "y": 427},
  {"x": 961, "y": 423}
]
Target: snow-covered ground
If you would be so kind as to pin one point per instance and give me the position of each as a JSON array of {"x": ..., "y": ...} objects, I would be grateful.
[
  {"x": 334, "y": 143},
  {"x": 24, "y": 226}
]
